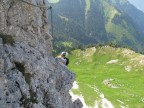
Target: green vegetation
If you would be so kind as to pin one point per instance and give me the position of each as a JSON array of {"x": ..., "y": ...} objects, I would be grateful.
[
  {"x": 67, "y": 44},
  {"x": 88, "y": 4},
  {"x": 53, "y": 1},
  {"x": 115, "y": 72},
  {"x": 7, "y": 39},
  {"x": 119, "y": 27},
  {"x": 84, "y": 22},
  {"x": 63, "y": 46}
]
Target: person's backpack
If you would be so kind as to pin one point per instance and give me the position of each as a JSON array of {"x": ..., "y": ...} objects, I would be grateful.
[{"x": 67, "y": 61}]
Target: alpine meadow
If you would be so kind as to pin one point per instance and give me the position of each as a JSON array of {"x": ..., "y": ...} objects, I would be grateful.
[
  {"x": 108, "y": 77},
  {"x": 105, "y": 40}
]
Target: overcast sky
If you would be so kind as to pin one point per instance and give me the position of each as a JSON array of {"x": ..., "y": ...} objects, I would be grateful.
[{"x": 138, "y": 3}]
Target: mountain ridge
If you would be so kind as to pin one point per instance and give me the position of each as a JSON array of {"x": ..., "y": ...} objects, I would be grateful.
[
  {"x": 89, "y": 22},
  {"x": 138, "y": 4}
]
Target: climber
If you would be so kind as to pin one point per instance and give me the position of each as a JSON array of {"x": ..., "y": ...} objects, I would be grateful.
[
  {"x": 67, "y": 60},
  {"x": 63, "y": 59}
]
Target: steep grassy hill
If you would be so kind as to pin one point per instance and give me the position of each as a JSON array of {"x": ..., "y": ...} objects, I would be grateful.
[
  {"x": 108, "y": 76},
  {"x": 82, "y": 22}
]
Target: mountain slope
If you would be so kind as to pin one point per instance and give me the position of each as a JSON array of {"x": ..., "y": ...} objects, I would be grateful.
[
  {"x": 94, "y": 21},
  {"x": 135, "y": 17},
  {"x": 113, "y": 74}
]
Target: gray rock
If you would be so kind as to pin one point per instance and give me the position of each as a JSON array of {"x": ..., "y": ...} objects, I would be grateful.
[
  {"x": 29, "y": 75},
  {"x": 1, "y": 65},
  {"x": 77, "y": 104}
]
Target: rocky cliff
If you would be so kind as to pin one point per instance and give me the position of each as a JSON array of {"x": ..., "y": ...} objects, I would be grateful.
[{"x": 29, "y": 75}]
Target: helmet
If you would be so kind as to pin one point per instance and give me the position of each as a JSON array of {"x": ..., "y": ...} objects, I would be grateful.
[{"x": 63, "y": 53}]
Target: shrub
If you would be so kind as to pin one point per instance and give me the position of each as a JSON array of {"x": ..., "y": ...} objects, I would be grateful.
[{"x": 7, "y": 39}]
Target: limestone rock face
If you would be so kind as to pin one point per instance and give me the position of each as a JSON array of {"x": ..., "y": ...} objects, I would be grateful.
[
  {"x": 29, "y": 75},
  {"x": 26, "y": 22}
]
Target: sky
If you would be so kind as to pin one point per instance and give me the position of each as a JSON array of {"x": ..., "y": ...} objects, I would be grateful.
[{"x": 138, "y": 4}]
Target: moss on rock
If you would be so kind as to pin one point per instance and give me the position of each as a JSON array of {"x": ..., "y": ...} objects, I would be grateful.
[{"x": 7, "y": 39}]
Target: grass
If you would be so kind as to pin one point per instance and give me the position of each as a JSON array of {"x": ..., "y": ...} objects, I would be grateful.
[
  {"x": 90, "y": 75},
  {"x": 7, "y": 39},
  {"x": 67, "y": 44}
]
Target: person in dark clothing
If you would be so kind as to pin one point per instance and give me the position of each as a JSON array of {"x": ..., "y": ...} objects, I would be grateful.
[{"x": 63, "y": 54}]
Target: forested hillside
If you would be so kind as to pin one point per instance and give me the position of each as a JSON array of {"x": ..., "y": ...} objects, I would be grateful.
[{"x": 83, "y": 22}]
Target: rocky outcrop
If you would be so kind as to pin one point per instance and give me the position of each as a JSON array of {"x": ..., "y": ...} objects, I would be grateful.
[{"x": 29, "y": 75}]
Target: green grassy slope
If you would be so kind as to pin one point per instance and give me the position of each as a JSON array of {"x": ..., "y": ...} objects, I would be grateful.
[
  {"x": 119, "y": 27},
  {"x": 117, "y": 73}
]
